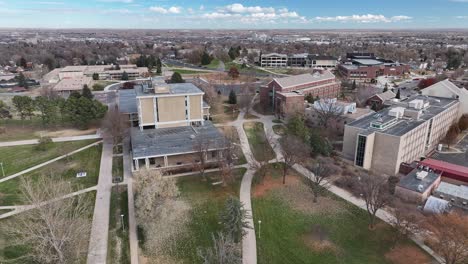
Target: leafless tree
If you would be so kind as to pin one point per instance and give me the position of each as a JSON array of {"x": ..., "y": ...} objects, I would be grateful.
[
  {"x": 226, "y": 159},
  {"x": 54, "y": 229},
  {"x": 452, "y": 135},
  {"x": 201, "y": 146},
  {"x": 323, "y": 169},
  {"x": 115, "y": 125},
  {"x": 406, "y": 219},
  {"x": 224, "y": 251},
  {"x": 374, "y": 191},
  {"x": 294, "y": 151},
  {"x": 328, "y": 111},
  {"x": 364, "y": 91},
  {"x": 449, "y": 236},
  {"x": 245, "y": 103}
]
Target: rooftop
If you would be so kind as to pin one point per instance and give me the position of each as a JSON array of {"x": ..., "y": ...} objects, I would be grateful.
[
  {"x": 167, "y": 89},
  {"x": 173, "y": 141},
  {"x": 127, "y": 101},
  {"x": 302, "y": 79},
  {"x": 73, "y": 84},
  {"x": 404, "y": 125},
  {"x": 367, "y": 62},
  {"x": 411, "y": 181},
  {"x": 459, "y": 191}
]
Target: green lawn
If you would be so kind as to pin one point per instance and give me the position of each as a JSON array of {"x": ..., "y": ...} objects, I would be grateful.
[
  {"x": 10, "y": 253},
  {"x": 229, "y": 113},
  {"x": 288, "y": 234},
  {"x": 119, "y": 245},
  {"x": 187, "y": 71},
  {"x": 213, "y": 65},
  {"x": 19, "y": 158},
  {"x": 117, "y": 167},
  {"x": 258, "y": 142},
  {"x": 88, "y": 160},
  {"x": 207, "y": 202}
]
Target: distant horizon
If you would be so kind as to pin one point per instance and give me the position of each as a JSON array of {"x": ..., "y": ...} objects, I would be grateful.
[
  {"x": 240, "y": 29},
  {"x": 238, "y": 14}
]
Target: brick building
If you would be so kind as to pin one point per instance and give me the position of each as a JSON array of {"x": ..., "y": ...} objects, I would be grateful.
[{"x": 286, "y": 95}]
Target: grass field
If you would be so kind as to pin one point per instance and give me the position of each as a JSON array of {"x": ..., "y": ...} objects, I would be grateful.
[
  {"x": 119, "y": 245},
  {"x": 258, "y": 142},
  {"x": 295, "y": 230},
  {"x": 18, "y": 158},
  {"x": 227, "y": 114},
  {"x": 117, "y": 167},
  {"x": 87, "y": 160},
  {"x": 11, "y": 253},
  {"x": 213, "y": 65},
  {"x": 187, "y": 71},
  {"x": 207, "y": 202}
]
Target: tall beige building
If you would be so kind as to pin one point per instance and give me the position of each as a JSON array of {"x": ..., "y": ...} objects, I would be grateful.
[
  {"x": 403, "y": 132},
  {"x": 170, "y": 121}
]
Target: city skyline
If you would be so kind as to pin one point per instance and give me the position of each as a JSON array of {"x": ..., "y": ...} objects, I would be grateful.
[{"x": 201, "y": 14}]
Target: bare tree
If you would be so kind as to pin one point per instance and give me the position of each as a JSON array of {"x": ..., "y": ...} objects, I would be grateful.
[
  {"x": 201, "y": 146},
  {"x": 363, "y": 93},
  {"x": 294, "y": 151},
  {"x": 374, "y": 191},
  {"x": 406, "y": 220},
  {"x": 328, "y": 111},
  {"x": 226, "y": 159},
  {"x": 449, "y": 236},
  {"x": 115, "y": 125},
  {"x": 224, "y": 251},
  {"x": 54, "y": 229},
  {"x": 322, "y": 171},
  {"x": 245, "y": 103},
  {"x": 452, "y": 135}
]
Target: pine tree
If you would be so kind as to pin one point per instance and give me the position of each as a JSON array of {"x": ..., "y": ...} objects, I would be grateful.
[
  {"x": 158, "y": 66},
  {"x": 205, "y": 59},
  {"x": 353, "y": 87},
  {"x": 233, "y": 218},
  {"x": 232, "y": 97},
  {"x": 86, "y": 92},
  {"x": 177, "y": 78},
  {"x": 95, "y": 76},
  {"x": 124, "y": 76},
  {"x": 398, "y": 94},
  {"x": 385, "y": 87}
]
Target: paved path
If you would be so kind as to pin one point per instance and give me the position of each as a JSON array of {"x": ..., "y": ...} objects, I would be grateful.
[
  {"x": 132, "y": 228},
  {"x": 22, "y": 208},
  {"x": 47, "y": 162},
  {"x": 59, "y": 139},
  {"x": 97, "y": 251}
]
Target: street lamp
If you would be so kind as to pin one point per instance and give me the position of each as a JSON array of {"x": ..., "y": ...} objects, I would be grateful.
[
  {"x": 259, "y": 228},
  {"x": 3, "y": 172},
  {"x": 122, "y": 219}
]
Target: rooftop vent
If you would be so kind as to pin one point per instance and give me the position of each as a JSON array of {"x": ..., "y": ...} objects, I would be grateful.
[
  {"x": 192, "y": 136},
  {"x": 420, "y": 175},
  {"x": 420, "y": 187},
  {"x": 161, "y": 90}
]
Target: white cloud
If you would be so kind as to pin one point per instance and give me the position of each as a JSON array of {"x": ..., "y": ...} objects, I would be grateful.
[
  {"x": 254, "y": 14},
  {"x": 190, "y": 10},
  {"x": 117, "y": 11},
  {"x": 461, "y": 17},
  {"x": 202, "y": 7},
  {"x": 162, "y": 10},
  {"x": 369, "y": 18},
  {"x": 51, "y": 3}
]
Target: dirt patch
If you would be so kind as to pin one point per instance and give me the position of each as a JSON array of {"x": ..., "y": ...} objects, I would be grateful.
[
  {"x": 270, "y": 183},
  {"x": 403, "y": 254},
  {"x": 69, "y": 132},
  {"x": 317, "y": 240}
]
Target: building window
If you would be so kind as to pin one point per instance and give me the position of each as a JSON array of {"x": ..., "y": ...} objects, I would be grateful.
[{"x": 360, "y": 151}]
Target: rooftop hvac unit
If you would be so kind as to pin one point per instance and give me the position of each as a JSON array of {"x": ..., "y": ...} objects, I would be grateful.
[
  {"x": 416, "y": 104},
  {"x": 421, "y": 175},
  {"x": 420, "y": 187},
  {"x": 397, "y": 112}
]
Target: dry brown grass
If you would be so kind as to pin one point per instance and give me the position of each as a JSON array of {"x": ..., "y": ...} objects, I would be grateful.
[
  {"x": 403, "y": 254},
  {"x": 317, "y": 240}
]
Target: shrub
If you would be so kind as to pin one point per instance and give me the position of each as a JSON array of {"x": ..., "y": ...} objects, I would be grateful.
[{"x": 44, "y": 144}]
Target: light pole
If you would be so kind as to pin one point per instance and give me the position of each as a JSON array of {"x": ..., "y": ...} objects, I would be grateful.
[
  {"x": 259, "y": 228},
  {"x": 3, "y": 172},
  {"x": 122, "y": 219}
]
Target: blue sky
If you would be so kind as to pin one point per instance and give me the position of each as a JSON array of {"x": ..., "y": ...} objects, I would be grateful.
[{"x": 163, "y": 14}]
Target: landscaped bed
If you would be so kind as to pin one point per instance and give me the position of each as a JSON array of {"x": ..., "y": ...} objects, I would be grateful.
[
  {"x": 119, "y": 245},
  {"x": 196, "y": 217},
  {"x": 296, "y": 230},
  {"x": 88, "y": 160},
  {"x": 19, "y": 158},
  {"x": 258, "y": 142}
]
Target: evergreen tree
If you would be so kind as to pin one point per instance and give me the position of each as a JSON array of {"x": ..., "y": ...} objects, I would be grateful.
[
  {"x": 385, "y": 87},
  {"x": 398, "y": 94},
  {"x": 353, "y": 86},
  {"x": 232, "y": 97},
  {"x": 319, "y": 144},
  {"x": 234, "y": 218},
  {"x": 86, "y": 92},
  {"x": 48, "y": 109},
  {"x": 158, "y": 66},
  {"x": 24, "y": 105},
  {"x": 22, "y": 80},
  {"x": 232, "y": 53},
  {"x": 177, "y": 78},
  {"x": 297, "y": 127},
  {"x": 205, "y": 59},
  {"x": 124, "y": 76},
  {"x": 23, "y": 63},
  {"x": 95, "y": 76}
]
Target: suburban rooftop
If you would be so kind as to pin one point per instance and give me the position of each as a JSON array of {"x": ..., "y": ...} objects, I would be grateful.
[{"x": 302, "y": 79}]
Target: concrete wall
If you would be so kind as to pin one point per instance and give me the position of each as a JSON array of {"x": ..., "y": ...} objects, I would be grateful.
[
  {"x": 195, "y": 107},
  {"x": 385, "y": 157},
  {"x": 349, "y": 141},
  {"x": 147, "y": 110}
]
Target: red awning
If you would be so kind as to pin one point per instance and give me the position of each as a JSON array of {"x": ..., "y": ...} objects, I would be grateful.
[{"x": 448, "y": 168}]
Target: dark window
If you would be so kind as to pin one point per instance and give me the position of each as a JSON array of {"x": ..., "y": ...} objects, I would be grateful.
[{"x": 360, "y": 151}]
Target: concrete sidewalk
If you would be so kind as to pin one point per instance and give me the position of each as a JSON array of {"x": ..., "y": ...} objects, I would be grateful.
[
  {"x": 132, "y": 224},
  {"x": 59, "y": 139},
  {"x": 97, "y": 252}
]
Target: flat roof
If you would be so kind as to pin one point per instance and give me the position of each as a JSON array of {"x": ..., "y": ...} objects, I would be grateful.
[
  {"x": 444, "y": 166},
  {"x": 412, "y": 183},
  {"x": 368, "y": 62},
  {"x": 403, "y": 126},
  {"x": 302, "y": 79},
  {"x": 127, "y": 101},
  {"x": 459, "y": 191},
  {"x": 171, "y": 88},
  {"x": 173, "y": 141}
]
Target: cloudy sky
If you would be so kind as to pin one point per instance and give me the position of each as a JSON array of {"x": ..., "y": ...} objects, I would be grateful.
[{"x": 309, "y": 14}]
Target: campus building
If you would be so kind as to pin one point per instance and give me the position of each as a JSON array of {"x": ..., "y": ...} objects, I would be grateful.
[
  {"x": 105, "y": 72},
  {"x": 286, "y": 95},
  {"x": 273, "y": 60},
  {"x": 168, "y": 121},
  {"x": 366, "y": 67},
  {"x": 405, "y": 131},
  {"x": 447, "y": 89},
  {"x": 303, "y": 60}
]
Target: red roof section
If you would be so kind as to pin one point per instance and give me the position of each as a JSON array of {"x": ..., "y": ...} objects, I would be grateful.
[{"x": 448, "y": 169}]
